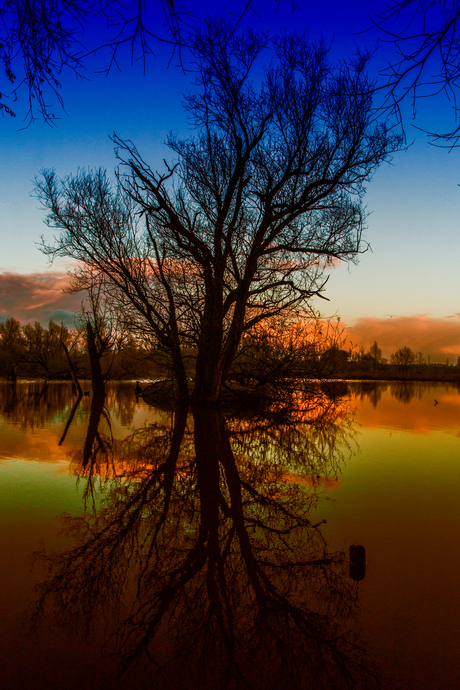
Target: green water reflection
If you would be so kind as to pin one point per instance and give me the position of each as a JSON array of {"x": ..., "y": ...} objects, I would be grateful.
[{"x": 224, "y": 573}]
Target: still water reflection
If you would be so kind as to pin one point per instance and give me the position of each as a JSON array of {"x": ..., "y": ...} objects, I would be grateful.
[{"x": 192, "y": 549}]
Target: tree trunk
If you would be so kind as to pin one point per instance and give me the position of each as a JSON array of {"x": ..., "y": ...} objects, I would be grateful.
[
  {"x": 72, "y": 369},
  {"x": 208, "y": 372},
  {"x": 95, "y": 362},
  {"x": 215, "y": 356},
  {"x": 208, "y": 378},
  {"x": 180, "y": 376}
]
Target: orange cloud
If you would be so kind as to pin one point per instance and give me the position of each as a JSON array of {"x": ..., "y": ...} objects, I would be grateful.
[
  {"x": 37, "y": 297},
  {"x": 437, "y": 337}
]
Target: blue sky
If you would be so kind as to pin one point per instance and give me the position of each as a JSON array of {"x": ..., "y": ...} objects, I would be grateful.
[{"x": 411, "y": 272}]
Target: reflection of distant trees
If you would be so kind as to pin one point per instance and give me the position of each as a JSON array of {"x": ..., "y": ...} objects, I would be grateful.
[
  {"x": 404, "y": 391},
  {"x": 206, "y": 563},
  {"x": 121, "y": 399},
  {"x": 368, "y": 389},
  {"x": 35, "y": 404}
]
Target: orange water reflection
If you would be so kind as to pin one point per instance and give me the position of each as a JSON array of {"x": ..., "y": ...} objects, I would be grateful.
[
  {"x": 318, "y": 482},
  {"x": 394, "y": 497},
  {"x": 418, "y": 407},
  {"x": 34, "y": 416}
]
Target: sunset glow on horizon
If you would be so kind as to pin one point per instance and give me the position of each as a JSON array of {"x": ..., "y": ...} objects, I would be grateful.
[
  {"x": 403, "y": 292},
  {"x": 40, "y": 296}
]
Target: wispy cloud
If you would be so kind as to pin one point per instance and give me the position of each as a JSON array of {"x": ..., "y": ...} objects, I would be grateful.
[
  {"x": 40, "y": 297},
  {"x": 37, "y": 296},
  {"x": 437, "y": 337}
]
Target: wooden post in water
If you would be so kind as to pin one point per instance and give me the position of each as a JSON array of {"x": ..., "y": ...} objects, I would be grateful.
[{"x": 357, "y": 570}]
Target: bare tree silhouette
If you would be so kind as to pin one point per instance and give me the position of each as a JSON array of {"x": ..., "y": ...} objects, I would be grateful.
[
  {"x": 42, "y": 39},
  {"x": 426, "y": 35},
  {"x": 243, "y": 226}
]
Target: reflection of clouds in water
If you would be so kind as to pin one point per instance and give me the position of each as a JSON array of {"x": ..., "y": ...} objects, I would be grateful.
[
  {"x": 33, "y": 417},
  {"x": 414, "y": 409},
  {"x": 328, "y": 483},
  {"x": 42, "y": 446}
]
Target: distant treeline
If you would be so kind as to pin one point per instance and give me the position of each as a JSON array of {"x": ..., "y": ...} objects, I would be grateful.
[
  {"x": 404, "y": 357},
  {"x": 404, "y": 363},
  {"x": 266, "y": 356},
  {"x": 35, "y": 351},
  {"x": 280, "y": 349}
]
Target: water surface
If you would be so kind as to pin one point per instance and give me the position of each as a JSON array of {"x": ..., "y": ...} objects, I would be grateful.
[{"x": 377, "y": 462}]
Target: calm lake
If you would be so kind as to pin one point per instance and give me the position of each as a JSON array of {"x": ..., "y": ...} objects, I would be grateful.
[{"x": 212, "y": 550}]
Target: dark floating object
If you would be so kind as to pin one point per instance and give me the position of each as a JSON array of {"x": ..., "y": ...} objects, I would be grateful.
[
  {"x": 138, "y": 389},
  {"x": 435, "y": 402},
  {"x": 86, "y": 393},
  {"x": 357, "y": 570}
]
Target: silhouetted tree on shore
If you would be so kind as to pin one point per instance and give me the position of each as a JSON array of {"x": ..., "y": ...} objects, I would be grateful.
[
  {"x": 56, "y": 352},
  {"x": 403, "y": 358},
  {"x": 244, "y": 224},
  {"x": 35, "y": 346}
]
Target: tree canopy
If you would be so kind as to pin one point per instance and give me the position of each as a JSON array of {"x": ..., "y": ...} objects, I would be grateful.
[
  {"x": 403, "y": 357},
  {"x": 41, "y": 39},
  {"x": 242, "y": 224},
  {"x": 426, "y": 35}
]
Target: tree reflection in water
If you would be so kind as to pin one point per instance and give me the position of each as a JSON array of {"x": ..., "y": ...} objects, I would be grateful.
[
  {"x": 34, "y": 404},
  {"x": 203, "y": 561}
]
